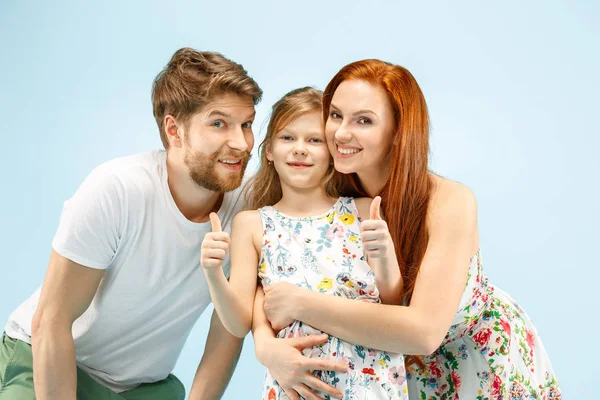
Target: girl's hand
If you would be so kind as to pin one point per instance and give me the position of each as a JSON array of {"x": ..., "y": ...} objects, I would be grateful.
[{"x": 214, "y": 246}]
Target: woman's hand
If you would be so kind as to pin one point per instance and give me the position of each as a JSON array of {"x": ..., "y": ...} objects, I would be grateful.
[
  {"x": 293, "y": 371},
  {"x": 381, "y": 255},
  {"x": 376, "y": 235},
  {"x": 281, "y": 300}
]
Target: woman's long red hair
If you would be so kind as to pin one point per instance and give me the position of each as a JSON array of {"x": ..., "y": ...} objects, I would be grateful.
[{"x": 406, "y": 194}]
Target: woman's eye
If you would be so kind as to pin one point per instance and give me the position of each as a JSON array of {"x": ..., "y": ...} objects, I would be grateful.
[
  {"x": 247, "y": 125},
  {"x": 364, "y": 121},
  {"x": 335, "y": 115},
  {"x": 218, "y": 124}
]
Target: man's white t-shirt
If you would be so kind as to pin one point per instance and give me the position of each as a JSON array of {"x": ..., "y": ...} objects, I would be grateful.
[{"x": 124, "y": 220}]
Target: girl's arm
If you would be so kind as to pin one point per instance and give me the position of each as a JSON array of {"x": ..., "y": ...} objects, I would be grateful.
[
  {"x": 233, "y": 300},
  {"x": 284, "y": 360},
  {"x": 418, "y": 328}
]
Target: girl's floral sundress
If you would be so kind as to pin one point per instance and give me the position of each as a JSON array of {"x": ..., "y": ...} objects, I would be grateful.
[
  {"x": 325, "y": 254},
  {"x": 491, "y": 352}
]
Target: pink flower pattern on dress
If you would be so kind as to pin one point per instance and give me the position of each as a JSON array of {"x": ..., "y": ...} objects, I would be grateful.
[{"x": 491, "y": 351}]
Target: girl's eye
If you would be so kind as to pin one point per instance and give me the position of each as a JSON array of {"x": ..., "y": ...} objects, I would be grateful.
[
  {"x": 315, "y": 140},
  {"x": 364, "y": 121},
  {"x": 286, "y": 137},
  {"x": 335, "y": 115},
  {"x": 247, "y": 125}
]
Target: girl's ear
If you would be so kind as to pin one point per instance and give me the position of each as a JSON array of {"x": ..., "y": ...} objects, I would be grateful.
[{"x": 268, "y": 150}]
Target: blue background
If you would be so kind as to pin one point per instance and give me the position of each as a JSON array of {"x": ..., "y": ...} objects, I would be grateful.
[{"x": 512, "y": 89}]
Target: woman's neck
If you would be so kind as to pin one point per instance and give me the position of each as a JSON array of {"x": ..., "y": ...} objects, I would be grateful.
[
  {"x": 374, "y": 179},
  {"x": 373, "y": 183}
]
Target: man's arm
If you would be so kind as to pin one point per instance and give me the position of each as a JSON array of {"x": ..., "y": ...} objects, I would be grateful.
[
  {"x": 67, "y": 292},
  {"x": 221, "y": 354}
]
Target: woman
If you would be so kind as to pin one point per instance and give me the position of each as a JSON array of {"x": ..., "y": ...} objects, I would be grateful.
[{"x": 377, "y": 129}]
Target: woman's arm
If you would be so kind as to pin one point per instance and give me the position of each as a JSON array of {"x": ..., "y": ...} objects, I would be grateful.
[
  {"x": 418, "y": 328},
  {"x": 233, "y": 300},
  {"x": 380, "y": 252},
  {"x": 396, "y": 329}
]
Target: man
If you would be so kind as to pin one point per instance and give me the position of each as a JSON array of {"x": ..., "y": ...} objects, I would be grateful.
[{"x": 124, "y": 286}]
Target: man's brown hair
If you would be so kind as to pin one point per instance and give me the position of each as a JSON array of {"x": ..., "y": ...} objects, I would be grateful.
[{"x": 191, "y": 80}]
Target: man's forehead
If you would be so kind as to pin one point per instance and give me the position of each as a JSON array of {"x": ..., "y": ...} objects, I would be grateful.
[{"x": 232, "y": 105}]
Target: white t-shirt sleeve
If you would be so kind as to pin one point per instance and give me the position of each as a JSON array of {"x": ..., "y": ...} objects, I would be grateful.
[{"x": 91, "y": 222}]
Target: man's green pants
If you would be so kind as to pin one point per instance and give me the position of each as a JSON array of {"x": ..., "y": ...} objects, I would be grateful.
[{"x": 16, "y": 379}]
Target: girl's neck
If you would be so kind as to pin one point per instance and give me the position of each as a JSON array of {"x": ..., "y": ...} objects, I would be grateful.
[{"x": 304, "y": 202}]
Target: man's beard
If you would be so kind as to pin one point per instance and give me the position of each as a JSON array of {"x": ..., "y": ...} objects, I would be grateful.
[{"x": 203, "y": 170}]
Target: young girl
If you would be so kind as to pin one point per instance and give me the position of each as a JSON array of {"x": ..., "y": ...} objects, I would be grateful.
[{"x": 302, "y": 233}]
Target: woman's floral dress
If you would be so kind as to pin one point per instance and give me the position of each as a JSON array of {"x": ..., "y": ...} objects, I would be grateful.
[
  {"x": 492, "y": 351},
  {"x": 325, "y": 254}
]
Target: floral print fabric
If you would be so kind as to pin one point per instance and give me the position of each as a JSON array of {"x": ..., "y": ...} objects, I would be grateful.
[
  {"x": 325, "y": 254},
  {"x": 491, "y": 351}
]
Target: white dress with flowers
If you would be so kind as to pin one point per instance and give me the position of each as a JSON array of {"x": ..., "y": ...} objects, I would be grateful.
[
  {"x": 325, "y": 254},
  {"x": 491, "y": 352}
]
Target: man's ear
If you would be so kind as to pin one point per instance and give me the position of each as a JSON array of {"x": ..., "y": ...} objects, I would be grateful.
[{"x": 173, "y": 132}]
